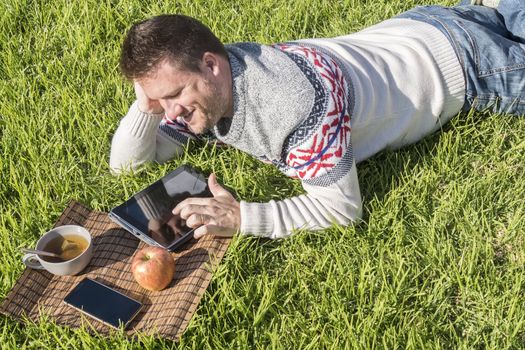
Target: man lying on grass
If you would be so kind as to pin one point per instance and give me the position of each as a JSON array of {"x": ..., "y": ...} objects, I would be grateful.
[{"x": 315, "y": 107}]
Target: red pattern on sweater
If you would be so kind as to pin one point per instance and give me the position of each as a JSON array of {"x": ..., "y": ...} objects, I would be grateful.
[{"x": 323, "y": 149}]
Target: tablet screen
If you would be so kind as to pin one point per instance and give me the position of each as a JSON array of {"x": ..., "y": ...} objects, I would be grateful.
[{"x": 150, "y": 210}]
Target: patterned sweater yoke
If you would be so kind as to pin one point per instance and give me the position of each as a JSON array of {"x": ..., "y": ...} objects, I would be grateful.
[{"x": 294, "y": 113}]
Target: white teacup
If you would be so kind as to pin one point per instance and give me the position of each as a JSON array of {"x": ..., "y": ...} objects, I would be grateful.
[{"x": 67, "y": 267}]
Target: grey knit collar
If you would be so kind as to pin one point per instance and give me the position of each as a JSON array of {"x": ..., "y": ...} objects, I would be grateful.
[{"x": 229, "y": 130}]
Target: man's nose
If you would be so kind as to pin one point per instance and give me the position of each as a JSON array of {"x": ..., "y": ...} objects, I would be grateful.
[{"x": 174, "y": 110}]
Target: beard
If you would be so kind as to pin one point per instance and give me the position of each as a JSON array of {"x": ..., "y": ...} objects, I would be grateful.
[
  {"x": 202, "y": 121},
  {"x": 216, "y": 108}
]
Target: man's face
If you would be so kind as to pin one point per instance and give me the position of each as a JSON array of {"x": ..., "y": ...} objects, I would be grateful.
[{"x": 201, "y": 99}]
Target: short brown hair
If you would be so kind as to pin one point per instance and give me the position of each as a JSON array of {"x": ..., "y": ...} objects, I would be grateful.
[{"x": 180, "y": 39}]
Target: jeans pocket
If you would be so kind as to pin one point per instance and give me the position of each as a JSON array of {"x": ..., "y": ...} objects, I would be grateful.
[{"x": 492, "y": 52}]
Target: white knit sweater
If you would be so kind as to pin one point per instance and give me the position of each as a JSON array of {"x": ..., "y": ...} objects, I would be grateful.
[{"x": 396, "y": 82}]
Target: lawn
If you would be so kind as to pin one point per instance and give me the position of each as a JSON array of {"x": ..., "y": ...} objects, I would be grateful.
[{"x": 436, "y": 263}]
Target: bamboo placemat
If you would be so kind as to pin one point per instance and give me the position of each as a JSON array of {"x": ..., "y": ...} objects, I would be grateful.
[{"x": 166, "y": 314}]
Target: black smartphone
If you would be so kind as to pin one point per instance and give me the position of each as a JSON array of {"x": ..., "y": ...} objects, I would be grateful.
[{"x": 103, "y": 303}]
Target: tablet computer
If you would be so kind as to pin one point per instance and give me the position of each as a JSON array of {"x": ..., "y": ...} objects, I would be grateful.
[{"x": 148, "y": 213}]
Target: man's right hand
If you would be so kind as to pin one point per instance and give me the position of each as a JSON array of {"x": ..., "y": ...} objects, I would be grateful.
[{"x": 146, "y": 105}]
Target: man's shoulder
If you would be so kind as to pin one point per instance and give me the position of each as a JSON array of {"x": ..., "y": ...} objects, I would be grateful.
[{"x": 267, "y": 76}]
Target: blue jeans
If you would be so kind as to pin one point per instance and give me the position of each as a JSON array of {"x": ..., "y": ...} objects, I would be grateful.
[{"x": 490, "y": 45}]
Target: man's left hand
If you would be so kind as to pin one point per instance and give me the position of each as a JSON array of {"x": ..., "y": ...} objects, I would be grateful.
[{"x": 219, "y": 215}]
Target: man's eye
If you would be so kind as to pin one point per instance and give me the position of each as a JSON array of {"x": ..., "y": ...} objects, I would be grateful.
[{"x": 173, "y": 96}]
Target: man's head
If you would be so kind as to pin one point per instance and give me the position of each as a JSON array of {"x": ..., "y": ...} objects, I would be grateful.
[
  {"x": 180, "y": 39},
  {"x": 177, "y": 61}
]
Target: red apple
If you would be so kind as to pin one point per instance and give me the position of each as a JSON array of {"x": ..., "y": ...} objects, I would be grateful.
[{"x": 153, "y": 268}]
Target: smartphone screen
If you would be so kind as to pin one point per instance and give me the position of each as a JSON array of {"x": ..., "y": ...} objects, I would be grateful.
[{"x": 103, "y": 303}]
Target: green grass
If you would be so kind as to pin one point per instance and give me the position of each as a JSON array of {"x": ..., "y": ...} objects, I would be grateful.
[{"x": 437, "y": 262}]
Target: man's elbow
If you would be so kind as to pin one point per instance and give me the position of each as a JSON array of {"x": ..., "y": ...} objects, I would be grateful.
[
  {"x": 359, "y": 211},
  {"x": 118, "y": 167},
  {"x": 353, "y": 212}
]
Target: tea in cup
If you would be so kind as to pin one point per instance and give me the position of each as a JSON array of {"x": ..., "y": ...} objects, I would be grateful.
[{"x": 72, "y": 246}]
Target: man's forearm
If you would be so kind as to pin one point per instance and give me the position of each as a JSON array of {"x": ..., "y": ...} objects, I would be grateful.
[
  {"x": 134, "y": 142},
  {"x": 322, "y": 206}
]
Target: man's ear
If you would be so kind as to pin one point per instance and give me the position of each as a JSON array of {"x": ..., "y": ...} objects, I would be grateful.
[{"x": 210, "y": 63}]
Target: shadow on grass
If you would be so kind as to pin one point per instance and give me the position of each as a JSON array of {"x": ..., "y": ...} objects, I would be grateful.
[{"x": 379, "y": 174}]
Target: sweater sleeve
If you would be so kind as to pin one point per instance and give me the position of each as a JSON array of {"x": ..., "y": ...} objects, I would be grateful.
[
  {"x": 141, "y": 138},
  {"x": 322, "y": 206}
]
